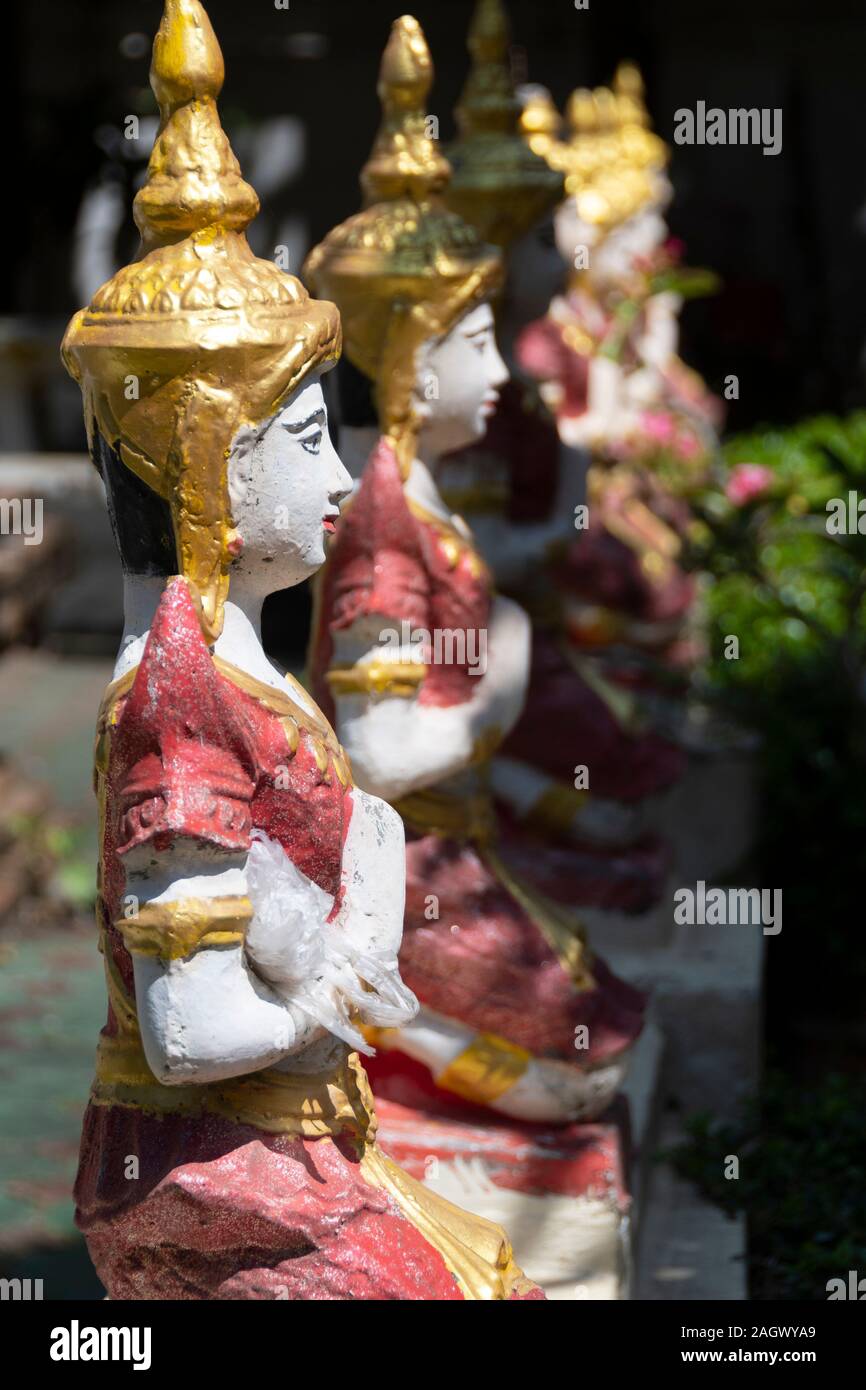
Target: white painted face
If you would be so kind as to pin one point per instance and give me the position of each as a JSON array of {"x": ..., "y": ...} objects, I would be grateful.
[
  {"x": 286, "y": 484},
  {"x": 646, "y": 232},
  {"x": 458, "y": 384},
  {"x": 610, "y": 259}
]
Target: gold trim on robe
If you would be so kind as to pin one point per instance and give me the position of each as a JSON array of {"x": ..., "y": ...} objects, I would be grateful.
[
  {"x": 176, "y": 930},
  {"x": 321, "y": 1106},
  {"x": 397, "y": 678}
]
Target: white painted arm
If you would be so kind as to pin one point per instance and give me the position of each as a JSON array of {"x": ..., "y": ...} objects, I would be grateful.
[
  {"x": 398, "y": 745},
  {"x": 226, "y": 1011},
  {"x": 535, "y": 795},
  {"x": 374, "y": 874},
  {"x": 659, "y": 341},
  {"x": 608, "y": 415},
  {"x": 336, "y": 963},
  {"x": 208, "y": 1016}
]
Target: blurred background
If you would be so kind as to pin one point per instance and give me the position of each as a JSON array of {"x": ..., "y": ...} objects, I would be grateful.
[{"x": 787, "y": 236}]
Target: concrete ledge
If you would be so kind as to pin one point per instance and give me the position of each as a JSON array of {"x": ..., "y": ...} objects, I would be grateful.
[{"x": 688, "y": 1249}]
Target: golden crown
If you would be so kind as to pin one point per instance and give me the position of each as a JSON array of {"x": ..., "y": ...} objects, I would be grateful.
[
  {"x": 196, "y": 337},
  {"x": 405, "y": 269},
  {"x": 612, "y": 162}
]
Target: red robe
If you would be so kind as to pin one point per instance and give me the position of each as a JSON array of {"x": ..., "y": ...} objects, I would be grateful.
[
  {"x": 269, "y": 1185},
  {"x": 498, "y": 958}
]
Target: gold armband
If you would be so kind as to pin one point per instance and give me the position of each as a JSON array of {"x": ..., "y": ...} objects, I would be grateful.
[
  {"x": 556, "y": 808},
  {"x": 482, "y": 1072},
  {"x": 173, "y": 931},
  {"x": 485, "y": 1070},
  {"x": 401, "y": 678}
]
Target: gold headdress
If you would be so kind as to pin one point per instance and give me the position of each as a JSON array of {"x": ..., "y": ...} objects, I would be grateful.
[
  {"x": 540, "y": 122},
  {"x": 196, "y": 337},
  {"x": 612, "y": 161},
  {"x": 405, "y": 269},
  {"x": 499, "y": 183},
  {"x": 640, "y": 145},
  {"x": 606, "y": 184}
]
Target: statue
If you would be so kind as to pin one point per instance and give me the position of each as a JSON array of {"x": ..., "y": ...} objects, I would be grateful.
[
  {"x": 575, "y": 772},
  {"x": 251, "y": 895},
  {"x": 605, "y": 358},
  {"x": 424, "y": 668}
]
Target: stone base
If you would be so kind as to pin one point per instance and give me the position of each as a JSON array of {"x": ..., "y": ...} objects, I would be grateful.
[
  {"x": 705, "y": 986},
  {"x": 559, "y": 1194},
  {"x": 569, "y": 1198},
  {"x": 650, "y": 929}
]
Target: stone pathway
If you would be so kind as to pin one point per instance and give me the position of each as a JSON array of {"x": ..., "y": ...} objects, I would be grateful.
[{"x": 52, "y": 994}]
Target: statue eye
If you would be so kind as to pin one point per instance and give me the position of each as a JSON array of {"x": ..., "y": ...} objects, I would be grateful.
[{"x": 312, "y": 442}]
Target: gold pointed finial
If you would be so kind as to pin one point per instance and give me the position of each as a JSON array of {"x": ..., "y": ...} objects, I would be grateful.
[
  {"x": 500, "y": 184},
  {"x": 405, "y": 160},
  {"x": 642, "y": 146},
  {"x": 193, "y": 179},
  {"x": 490, "y": 32},
  {"x": 628, "y": 86},
  {"x": 488, "y": 101}
]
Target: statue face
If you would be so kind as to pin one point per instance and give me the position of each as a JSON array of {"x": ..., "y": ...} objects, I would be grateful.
[
  {"x": 646, "y": 232},
  {"x": 286, "y": 484},
  {"x": 608, "y": 259},
  {"x": 458, "y": 384}
]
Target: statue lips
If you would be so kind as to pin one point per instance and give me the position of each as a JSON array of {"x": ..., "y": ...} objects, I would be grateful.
[{"x": 329, "y": 522}]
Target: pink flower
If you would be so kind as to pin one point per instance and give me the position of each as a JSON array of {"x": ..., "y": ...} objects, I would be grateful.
[
  {"x": 747, "y": 482},
  {"x": 658, "y": 426},
  {"x": 688, "y": 446}
]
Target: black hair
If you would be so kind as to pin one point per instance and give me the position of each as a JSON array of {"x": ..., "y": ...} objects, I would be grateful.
[
  {"x": 355, "y": 396},
  {"x": 140, "y": 519}
]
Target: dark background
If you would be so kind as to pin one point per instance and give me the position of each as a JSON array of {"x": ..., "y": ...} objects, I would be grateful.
[{"x": 786, "y": 233}]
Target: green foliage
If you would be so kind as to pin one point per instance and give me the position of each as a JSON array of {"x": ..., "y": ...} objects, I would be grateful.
[
  {"x": 795, "y": 596},
  {"x": 801, "y": 1184},
  {"x": 792, "y": 591},
  {"x": 57, "y": 857}
]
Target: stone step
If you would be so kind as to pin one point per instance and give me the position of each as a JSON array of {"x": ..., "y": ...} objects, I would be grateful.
[
  {"x": 706, "y": 988},
  {"x": 688, "y": 1248}
]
